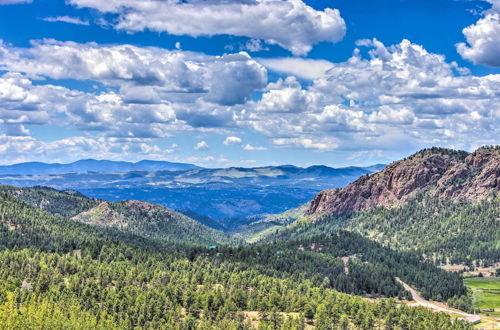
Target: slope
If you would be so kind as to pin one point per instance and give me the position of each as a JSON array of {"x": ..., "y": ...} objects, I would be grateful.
[
  {"x": 444, "y": 173},
  {"x": 152, "y": 221},
  {"x": 23, "y": 225},
  {"x": 58, "y": 273},
  {"x": 64, "y": 203},
  {"x": 444, "y": 203},
  {"x": 139, "y": 218}
]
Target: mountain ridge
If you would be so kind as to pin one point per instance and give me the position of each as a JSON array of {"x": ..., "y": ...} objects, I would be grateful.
[
  {"x": 446, "y": 173},
  {"x": 147, "y": 220},
  {"x": 91, "y": 165}
]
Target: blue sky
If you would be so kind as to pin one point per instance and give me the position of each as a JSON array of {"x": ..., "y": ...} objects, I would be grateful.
[{"x": 246, "y": 82}]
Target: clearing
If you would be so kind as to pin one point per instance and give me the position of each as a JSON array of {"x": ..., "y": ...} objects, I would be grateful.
[{"x": 486, "y": 294}]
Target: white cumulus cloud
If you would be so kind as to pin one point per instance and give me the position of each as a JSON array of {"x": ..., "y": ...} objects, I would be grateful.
[
  {"x": 232, "y": 140},
  {"x": 202, "y": 145},
  {"x": 15, "y": 149},
  {"x": 483, "y": 38},
  {"x": 250, "y": 147},
  {"x": 300, "y": 67},
  {"x": 228, "y": 79},
  {"x": 291, "y": 24},
  {"x": 323, "y": 144},
  {"x": 399, "y": 95}
]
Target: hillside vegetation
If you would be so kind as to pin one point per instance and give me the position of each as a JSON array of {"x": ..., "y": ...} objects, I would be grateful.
[
  {"x": 68, "y": 261},
  {"x": 152, "y": 221},
  {"x": 133, "y": 217},
  {"x": 442, "y": 203},
  {"x": 59, "y": 273}
]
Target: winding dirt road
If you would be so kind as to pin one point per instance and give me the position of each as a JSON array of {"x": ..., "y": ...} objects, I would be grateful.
[{"x": 419, "y": 301}]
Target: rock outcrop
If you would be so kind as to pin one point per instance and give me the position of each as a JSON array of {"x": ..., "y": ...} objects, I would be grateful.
[{"x": 444, "y": 173}]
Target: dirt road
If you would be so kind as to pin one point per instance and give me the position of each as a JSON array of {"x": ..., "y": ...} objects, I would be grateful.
[{"x": 437, "y": 307}]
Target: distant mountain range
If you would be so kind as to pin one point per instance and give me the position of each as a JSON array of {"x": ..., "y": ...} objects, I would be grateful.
[
  {"x": 92, "y": 165},
  {"x": 218, "y": 193}
]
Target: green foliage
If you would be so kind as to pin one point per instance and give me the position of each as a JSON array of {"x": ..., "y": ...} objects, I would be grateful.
[
  {"x": 154, "y": 222},
  {"x": 461, "y": 232},
  {"x": 63, "y": 203},
  {"x": 485, "y": 294},
  {"x": 22, "y": 225},
  {"x": 371, "y": 268},
  {"x": 57, "y": 273},
  {"x": 444, "y": 230},
  {"x": 125, "y": 287},
  {"x": 159, "y": 224}
]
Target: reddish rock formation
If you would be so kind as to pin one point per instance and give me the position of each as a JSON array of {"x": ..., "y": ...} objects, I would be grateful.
[{"x": 444, "y": 173}]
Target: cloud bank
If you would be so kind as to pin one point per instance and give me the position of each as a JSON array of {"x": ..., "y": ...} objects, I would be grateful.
[{"x": 383, "y": 98}]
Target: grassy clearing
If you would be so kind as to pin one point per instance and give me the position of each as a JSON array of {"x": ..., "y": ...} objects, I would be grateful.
[{"x": 486, "y": 293}]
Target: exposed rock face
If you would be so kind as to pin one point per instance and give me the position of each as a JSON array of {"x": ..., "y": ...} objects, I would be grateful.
[
  {"x": 477, "y": 178},
  {"x": 445, "y": 173}
]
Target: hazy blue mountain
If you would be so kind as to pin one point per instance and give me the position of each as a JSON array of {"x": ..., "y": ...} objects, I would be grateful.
[
  {"x": 92, "y": 165},
  {"x": 224, "y": 193},
  {"x": 203, "y": 219}
]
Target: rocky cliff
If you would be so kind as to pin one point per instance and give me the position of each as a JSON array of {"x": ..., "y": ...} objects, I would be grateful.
[{"x": 444, "y": 173}]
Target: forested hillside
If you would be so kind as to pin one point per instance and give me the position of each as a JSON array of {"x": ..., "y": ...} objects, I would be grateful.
[
  {"x": 134, "y": 217},
  {"x": 59, "y": 273},
  {"x": 443, "y": 230},
  {"x": 64, "y": 203},
  {"x": 152, "y": 221},
  {"x": 122, "y": 287},
  {"x": 442, "y": 203},
  {"x": 446, "y": 231},
  {"x": 349, "y": 263}
]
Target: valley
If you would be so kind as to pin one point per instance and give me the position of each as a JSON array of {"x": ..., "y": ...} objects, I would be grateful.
[
  {"x": 221, "y": 193},
  {"x": 134, "y": 263},
  {"x": 249, "y": 165}
]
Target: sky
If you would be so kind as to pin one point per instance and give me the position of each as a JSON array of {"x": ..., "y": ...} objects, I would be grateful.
[{"x": 247, "y": 82}]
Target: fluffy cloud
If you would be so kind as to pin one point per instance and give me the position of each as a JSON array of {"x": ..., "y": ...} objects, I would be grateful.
[
  {"x": 383, "y": 97},
  {"x": 255, "y": 45},
  {"x": 232, "y": 140},
  {"x": 285, "y": 96},
  {"x": 202, "y": 145},
  {"x": 228, "y": 79},
  {"x": 16, "y": 130},
  {"x": 22, "y": 103},
  {"x": 323, "y": 144},
  {"x": 483, "y": 38},
  {"x": 289, "y": 23},
  {"x": 394, "y": 96},
  {"x": 233, "y": 78}
]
